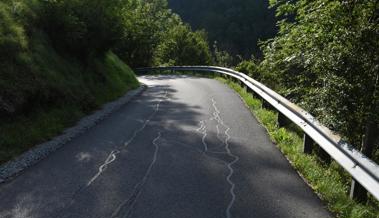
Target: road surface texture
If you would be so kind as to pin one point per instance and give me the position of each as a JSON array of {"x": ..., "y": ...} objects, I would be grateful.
[{"x": 186, "y": 148}]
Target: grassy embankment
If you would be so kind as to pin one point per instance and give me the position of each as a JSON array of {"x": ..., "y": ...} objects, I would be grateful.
[
  {"x": 330, "y": 182},
  {"x": 63, "y": 90}
]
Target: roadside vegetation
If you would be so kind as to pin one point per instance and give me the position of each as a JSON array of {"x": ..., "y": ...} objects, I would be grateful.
[
  {"x": 325, "y": 58},
  {"x": 62, "y": 59},
  {"x": 328, "y": 181},
  {"x": 323, "y": 55}
]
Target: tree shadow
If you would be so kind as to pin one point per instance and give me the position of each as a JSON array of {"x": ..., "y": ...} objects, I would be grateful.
[{"x": 185, "y": 181}]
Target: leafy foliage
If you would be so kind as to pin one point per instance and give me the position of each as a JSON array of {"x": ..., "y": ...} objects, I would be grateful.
[
  {"x": 251, "y": 68},
  {"x": 183, "y": 47},
  {"x": 15, "y": 62},
  {"x": 221, "y": 57},
  {"x": 58, "y": 56},
  {"x": 326, "y": 58},
  {"x": 146, "y": 24},
  {"x": 80, "y": 33},
  {"x": 81, "y": 27}
]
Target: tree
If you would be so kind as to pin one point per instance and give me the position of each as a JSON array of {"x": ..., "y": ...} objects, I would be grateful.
[
  {"x": 328, "y": 50},
  {"x": 183, "y": 47},
  {"x": 81, "y": 28}
]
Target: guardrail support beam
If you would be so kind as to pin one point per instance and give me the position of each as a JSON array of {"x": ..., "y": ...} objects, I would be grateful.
[
  {"x": 308, "y": 144},
  {"x": 267, "y": 105},
  {"x": 252, "y": 93},
  {"x": 242, "y": 84},
  {"x": 282, "y": 120},
  {"x": 324, "y": 156},
  {"x": 235, "y": 80},
  {"x": 358, "y": 192}
]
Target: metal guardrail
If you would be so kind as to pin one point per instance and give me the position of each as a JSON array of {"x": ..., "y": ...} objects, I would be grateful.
[{"x": 362, "y": 169}]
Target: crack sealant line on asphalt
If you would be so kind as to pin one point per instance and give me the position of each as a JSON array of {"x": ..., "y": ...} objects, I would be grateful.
[
  {"x": 203, "y": 131},
  {"x": 229, "y": 165},
  {"x": 206, "y": 151},
  {"x": 129, "y": 203},
  {"x": 113, "y": 155}
]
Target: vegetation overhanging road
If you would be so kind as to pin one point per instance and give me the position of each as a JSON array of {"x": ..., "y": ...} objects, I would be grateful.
[{"x": 188, "y": 147}]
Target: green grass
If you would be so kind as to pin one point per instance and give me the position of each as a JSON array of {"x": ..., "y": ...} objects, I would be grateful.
[
  {"x": 330, "y": 182},
  {"x": 73, "y": 92}
]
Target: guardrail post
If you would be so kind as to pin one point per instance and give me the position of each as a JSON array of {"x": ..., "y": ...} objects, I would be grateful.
[
  {"x": 282, "y": 120},
  {"x": 267, "y": 105},
  {"x": 235, "y": 80},
  {"x": 358, "y": 192},
  {"x": 324, "y": 156},
  {"x": 253, "y": 94},
  {"x": 244, "y": 86},
  {"x": 308, "y": 144}
]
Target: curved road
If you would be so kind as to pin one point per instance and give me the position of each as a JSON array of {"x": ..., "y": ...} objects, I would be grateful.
[{"x": 187, "y": 148}]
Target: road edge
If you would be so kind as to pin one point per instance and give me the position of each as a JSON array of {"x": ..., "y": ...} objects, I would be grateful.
[{"x": 33, "y": 156}]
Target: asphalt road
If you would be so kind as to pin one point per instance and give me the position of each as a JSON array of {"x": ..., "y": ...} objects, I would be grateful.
[{"x": 187, "y": 148}]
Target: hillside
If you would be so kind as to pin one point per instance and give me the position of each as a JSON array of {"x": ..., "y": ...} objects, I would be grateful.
[{"x": 60, "y": 60}]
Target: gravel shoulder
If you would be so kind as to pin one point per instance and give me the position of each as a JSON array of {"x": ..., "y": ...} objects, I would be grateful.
[{"x": 14, "y": 167}]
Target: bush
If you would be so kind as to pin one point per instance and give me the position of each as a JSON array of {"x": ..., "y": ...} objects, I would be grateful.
[
  {"x": 326, "y": 58},
  {"x": 249, "y": 68},
  {"x": 82, "y": 28},
  {"x": 183, "y": 47},
  {"x": 15, "y": 63}
]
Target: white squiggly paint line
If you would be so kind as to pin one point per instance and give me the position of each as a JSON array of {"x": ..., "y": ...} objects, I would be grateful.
[
  {"x": 113, "y": 155},
  {"x": 128, "y": 204},
  {"x": 146, "y": 121},
  {"x": 218, "y": 118},
  {"x": 201, "y": 126},
  {"x": 203, "y": 130}
]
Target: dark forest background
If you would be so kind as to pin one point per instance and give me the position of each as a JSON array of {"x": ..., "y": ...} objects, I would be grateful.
[{"x": 236, "y": 25}]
